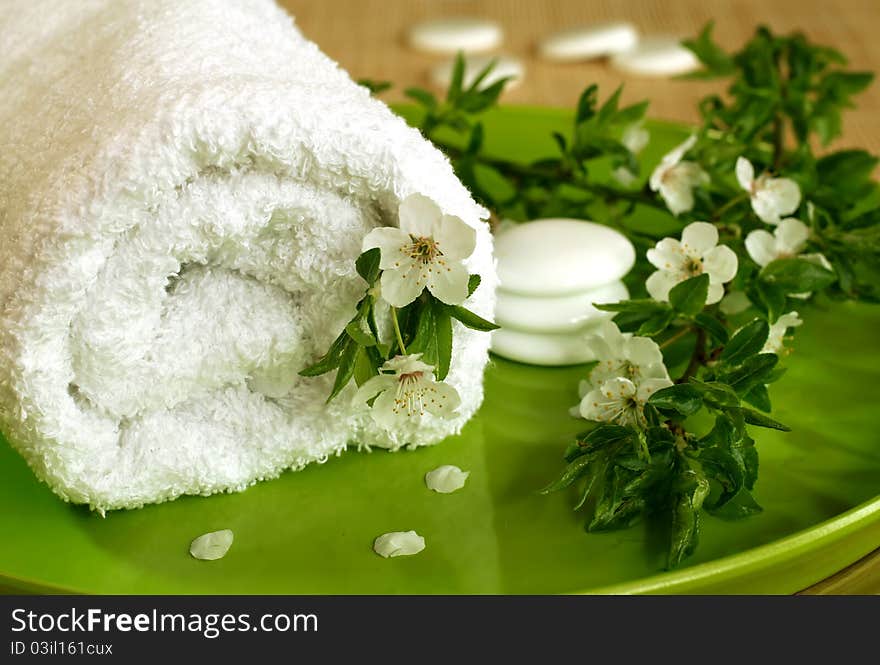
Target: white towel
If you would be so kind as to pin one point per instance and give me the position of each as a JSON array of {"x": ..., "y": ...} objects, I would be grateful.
[{"x": 184, "y": 187}]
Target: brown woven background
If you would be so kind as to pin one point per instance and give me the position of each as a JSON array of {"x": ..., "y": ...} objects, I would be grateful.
[{"x": 367, "y": 37}]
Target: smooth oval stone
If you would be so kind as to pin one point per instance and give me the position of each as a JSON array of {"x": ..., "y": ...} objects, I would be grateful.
[
  {"x": 551, "y": 349},
  {"x": 656, "y": 56},
  {"x": 451, "y": 35},
  {"x": 588, "y": 42},
  {"x": 505, "y": 66},
  {"x": 556, "y": 314},
  {"x": 552, "y": 257}
]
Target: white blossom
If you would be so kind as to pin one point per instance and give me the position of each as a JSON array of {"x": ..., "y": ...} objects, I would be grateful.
[
  {"x": 634, "y": 139},
  {"x": 772, "y": 198},
  {"x": 628, "y": 371},
  {"x": 696, "y": 253},
  {"x": 407, "y": 389},
  {"x": 776, "y": 337},
  {"x": 620, "y": 401},
  {"x": 212, "y": 546},
  {"x": 787, "y": 240},
  {"x": 676, "y": 179},
  {"x": 426, "y": 251}
]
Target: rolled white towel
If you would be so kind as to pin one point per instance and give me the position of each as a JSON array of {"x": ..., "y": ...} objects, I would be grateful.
[{"x": 184, "y": 187}]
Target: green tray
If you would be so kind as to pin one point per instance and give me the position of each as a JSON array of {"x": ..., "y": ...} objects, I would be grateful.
[{"x": 312, "y": 532}]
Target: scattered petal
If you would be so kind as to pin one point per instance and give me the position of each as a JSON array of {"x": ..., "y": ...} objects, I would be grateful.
[
  {"x": 398, "y": 543},
  {"x": 446, "y": 479},
  {"x": 211, "y": 546}
]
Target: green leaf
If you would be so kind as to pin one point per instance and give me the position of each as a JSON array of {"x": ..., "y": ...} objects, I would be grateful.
[
  {"x": 367, "y": 265},
  {"x": 365, "y": 366},
  {"x": 768, "y": 298},
  {"x": 656, "y": 323},
  {"x": 469, "y": 319},
  {"x": 713, "y": 326},
  {"x": 604, "y": 435},
  {"x": 646, "y": 305},
  {"x": 455, "y": 84},
  {"x": 758, "y": 397},
  {"x": 747, "y": 341},
  {"x": 330, "y": 360},
  {"x": 572, "y": 472},
  {"x": 375, "y": 87},
  {"x": 753, "y": 370},
  {"x": 742, "y": 504},
  {"x": 346, "y": 368},
  {"x": 797, "y": 275},
  {"x": 473, "y": 284},
  {"x": 713, "y": 57},
  {"x": 422, "y": 96},
  {"x": 433, "y": 337},
  {"x": 716, "y": 393},
  {"x": 359, "y": 330},
  {"x": 682, "y": 398},
  {"x": 689, "y": 297},
  {"x": 759, "y": 419}
]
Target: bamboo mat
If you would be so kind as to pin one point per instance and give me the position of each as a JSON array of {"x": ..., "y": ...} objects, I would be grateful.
[{"x": 367, "y": 37}]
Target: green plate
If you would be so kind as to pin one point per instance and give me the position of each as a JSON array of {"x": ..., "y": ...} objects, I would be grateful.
[{"x": 312, "y": 532}]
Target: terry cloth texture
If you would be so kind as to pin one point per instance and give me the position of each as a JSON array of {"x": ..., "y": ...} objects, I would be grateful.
[{"x": 184, "y": 187}]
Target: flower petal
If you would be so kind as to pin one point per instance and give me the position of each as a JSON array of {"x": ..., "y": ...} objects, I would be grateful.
[
  {"x": 698, "y": 238},
  {"x": 643, "y": 351},
  {"x": 660, "y": 283},
  {"x": 716, "y": 293},
  {"x": 446, "y": 479},
  {"x": 449, "y": 283},
  {"x": 401, "y": 287},
  {"x": 721, "y": 264},
  {"x": 677, "y": 194},
  {"x": 407, "y": 364},
  {"x": 776, "y": 197},
  {"x": 666, "y": 254},
  {"x": 456, "y": 239},
  {"x": 761, "y": 246},
  {"x": 745, "y": 173},
  {"x": 386, "y": 413},
  {"x": 373, "y": 386},
  {"x": 649, "y": 386},
  {"x": 398, "y": 543},
  {"x": 390, "y": 242},
  {"x": 441, "y": 399},
  {"x": 791, "y": 236},
  {"x": 417, "y": 214}
]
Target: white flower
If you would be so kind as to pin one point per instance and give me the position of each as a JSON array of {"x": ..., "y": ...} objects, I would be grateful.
[
  {"x": 634, "y": 139},
  {"x": 772, "y": 198},
  {"x": 786, "y": 241},
  {"x": 406, "y": 389},
  {"x": 619, "y": 355},
  {"x": 774, "y": 342},
  {"x": 426, "y": 251},
  {"x": 629, "y": 370},
  {"x": 675, "y": 179},
  {"x": 696, "y": 254},
  {"x": 620, "y": 400}
]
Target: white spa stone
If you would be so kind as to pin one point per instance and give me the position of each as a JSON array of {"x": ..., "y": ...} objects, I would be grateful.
[
  {"x": 441, "y": 75},
  {"x": 588, "y": 42},
  {"x": 398, "y": 543},
  {"x": 451, "y": 35},
  {"x": 545, "y": 348},
  {"x": 656, "y": 56},
  {"x": 556, "y": 314},
  {"x": 552, "y": 257}
]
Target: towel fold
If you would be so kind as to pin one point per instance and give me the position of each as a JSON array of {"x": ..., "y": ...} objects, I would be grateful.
[{"x": 184, "y": 187}]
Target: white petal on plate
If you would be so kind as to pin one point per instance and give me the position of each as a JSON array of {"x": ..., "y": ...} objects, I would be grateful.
[
  {"x": 721, "y": 264},
  {"x": 417, "y": 214},
  {"x": 698, "y": 238},
  {"x": 212, "y": 546},
  {"x": 446, "y": 479},
  {"x": 761, "y": 246},
  {"x": 398, "y": 543},
  {"x": 745, "y": 173}
]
